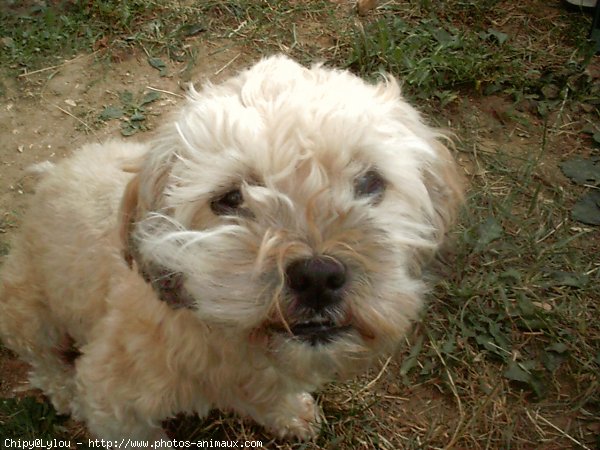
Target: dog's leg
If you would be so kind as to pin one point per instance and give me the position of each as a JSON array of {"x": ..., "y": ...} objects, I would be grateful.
[
  {"x": 295, "y": 416},
  {"x": 115, "y": 402},
  {"x": 125, "y": 388},
  {"x": 27, "y": 327},
  {"x": 117, "y": 418},
  {"x": 287, "y": 415}
]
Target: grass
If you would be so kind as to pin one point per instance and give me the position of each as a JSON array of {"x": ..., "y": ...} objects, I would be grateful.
[
  {"x": 508, "y": 353},
  {"x": 28, "y": 418},
  {"x": 520, "y": 302},
  {"x": 431, "y": 57},
  {"x": 35, "y": 34},
  {"x": 437, "y": 56}
]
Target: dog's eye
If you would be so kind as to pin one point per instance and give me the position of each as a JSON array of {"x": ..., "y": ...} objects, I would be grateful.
[
  {"x": 370, "y": 184},
  {"x": 227, "y": 203}
]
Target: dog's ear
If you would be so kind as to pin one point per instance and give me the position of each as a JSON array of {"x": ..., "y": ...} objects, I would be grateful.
[
  {"x": 446, "y": 187},
  {"x": 143, "y": 193},
  {"x": 443, "y": 180},
  {"x": 168, "y": 285},
  {"x": 129, "y": 213}
]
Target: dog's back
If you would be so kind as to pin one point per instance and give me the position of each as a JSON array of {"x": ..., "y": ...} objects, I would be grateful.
[{"x": 69, "y": 233}]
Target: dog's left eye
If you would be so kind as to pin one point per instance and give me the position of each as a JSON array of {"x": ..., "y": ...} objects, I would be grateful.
[
  {"x": 370, "y": 184},
  {"x": 227, "y": 203}
]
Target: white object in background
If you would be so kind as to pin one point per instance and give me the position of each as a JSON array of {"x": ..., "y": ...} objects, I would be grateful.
[{"x": 583, "y": 3}]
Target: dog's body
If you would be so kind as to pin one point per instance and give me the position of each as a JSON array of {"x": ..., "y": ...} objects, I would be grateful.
[{"x": 270, "y": 240}]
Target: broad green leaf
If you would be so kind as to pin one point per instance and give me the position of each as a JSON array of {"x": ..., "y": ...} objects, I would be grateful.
[
  {"x": 500, "y": 37},
  {"x": 411, "y": 361},
  {"x": 111, "y": 112},
  {"x": 157, "y": 63},
  {"x": 525, "y": 373},
  {"x": 488, "y": 231},
  {"x": 582, "y": 171},
  {"x": 127, "y": 129},
  {"x": 126, "y": 98},
  {"x": 587, "y": 208},
  {"x": 150, "y": 97},
  {"x": 558, "y": 347},
  {"x": 137, "y": 117},
  {"x": 443, "y": 37},
  {"x": 191, "y": 29},
  {"x": 563, "y": 278},
  {"x": 516, "y": 373},
  {"x": 552, "y": 360}
]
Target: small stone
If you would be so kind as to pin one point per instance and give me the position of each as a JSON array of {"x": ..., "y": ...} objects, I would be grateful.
[
  {"x": 7, "y": 42},
  {"x": 393, "y": 389},
  {"x": 544, "y": 306},
  {"x": 364, "y": 6}
]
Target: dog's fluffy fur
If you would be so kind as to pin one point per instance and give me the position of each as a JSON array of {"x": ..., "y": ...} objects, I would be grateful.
[{"x": 152, "y": 279}]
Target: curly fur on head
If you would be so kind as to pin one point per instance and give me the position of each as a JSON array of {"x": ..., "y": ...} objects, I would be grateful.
[{"x": 274, "y": 237}]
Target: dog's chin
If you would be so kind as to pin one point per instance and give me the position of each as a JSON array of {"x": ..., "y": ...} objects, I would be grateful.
[{"x": 315, "y": 332}]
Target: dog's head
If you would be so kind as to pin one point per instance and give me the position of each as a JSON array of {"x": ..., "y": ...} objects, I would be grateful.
[{"x": 294, "y": 207}]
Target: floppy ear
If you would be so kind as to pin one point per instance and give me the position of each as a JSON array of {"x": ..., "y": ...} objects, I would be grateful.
[
  {"x": 443, "y": 180},
  {"x": 144, "y": 192},
  {"x": 143, "y": 196},
  {"x": 128, "y": 213},
  {"x": 446, "y": 187}
]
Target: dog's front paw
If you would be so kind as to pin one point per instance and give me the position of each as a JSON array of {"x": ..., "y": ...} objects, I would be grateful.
[{"x": 299, "y": 418}]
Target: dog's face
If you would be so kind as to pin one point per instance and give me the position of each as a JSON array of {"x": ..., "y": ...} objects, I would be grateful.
[{"x": 294, "y": 208}]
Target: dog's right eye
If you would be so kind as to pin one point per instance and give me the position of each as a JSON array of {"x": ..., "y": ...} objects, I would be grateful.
[
  {"x": 228, "y": 203},
  {"x": 370, "y": 184}
]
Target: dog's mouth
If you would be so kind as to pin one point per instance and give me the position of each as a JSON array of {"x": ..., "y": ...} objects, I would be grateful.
[{"x": 315, "y": 331}]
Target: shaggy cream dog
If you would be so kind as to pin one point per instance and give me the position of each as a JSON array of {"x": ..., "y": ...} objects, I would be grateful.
[{"x": 270, "y": 239}]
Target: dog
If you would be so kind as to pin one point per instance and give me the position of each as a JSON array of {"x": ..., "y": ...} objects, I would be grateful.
[{"x": 274, "y": 236}]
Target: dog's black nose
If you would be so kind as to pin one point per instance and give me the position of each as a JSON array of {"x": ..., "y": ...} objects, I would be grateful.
[{"x": 317, "y": 282}]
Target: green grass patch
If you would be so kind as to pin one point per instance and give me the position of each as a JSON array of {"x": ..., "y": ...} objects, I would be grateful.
[
  {"x": 34, "y": 34},
  {"x": 514, "y": 315},
  {"x": 29, "y": 418},
  {"x": 432, "y": 58},
  {"x": 437, "y": 56}
]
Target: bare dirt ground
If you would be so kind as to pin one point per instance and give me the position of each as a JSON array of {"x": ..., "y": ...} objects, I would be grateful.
[
  {"x": 44, "y": 116},
  {"x": 39, "y": 116}
]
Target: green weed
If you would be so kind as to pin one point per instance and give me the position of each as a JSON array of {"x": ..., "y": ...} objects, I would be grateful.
[{"x": 132, "y": 112}]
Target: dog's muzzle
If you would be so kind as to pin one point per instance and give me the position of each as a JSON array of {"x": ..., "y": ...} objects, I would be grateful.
[{"x": 317, "y": 286}]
